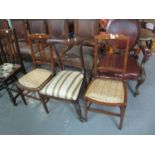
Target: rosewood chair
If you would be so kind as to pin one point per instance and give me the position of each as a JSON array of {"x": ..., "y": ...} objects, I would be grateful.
[
  {"x": 11, "y": 63},
  {"x": 108, "y": 91},
  {"x": 135, "y": 66},
  {"x": 67, "y": 83},
  {"x": 31, "y": 83}
]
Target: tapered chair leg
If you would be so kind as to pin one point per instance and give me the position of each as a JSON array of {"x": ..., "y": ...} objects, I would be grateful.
[
  {"x": 78, "y": 110},
  {"x": 43, "y": 102},
  {"x": 122, "y": 113},
  {"x": 21, "y": 94},
  {"x": 85, "y": 110}
]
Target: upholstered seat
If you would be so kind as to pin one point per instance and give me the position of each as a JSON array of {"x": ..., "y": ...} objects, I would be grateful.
[
  {"x": 35, "y": 78},
  {"x": 110, "y": 91},
  {"x": 66, "y": 85},
  {"x": 6, "y": 69}
]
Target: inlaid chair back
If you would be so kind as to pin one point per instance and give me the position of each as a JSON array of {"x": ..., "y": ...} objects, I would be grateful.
[
  {"x": 37, "y": 26},
  {"x": 39, "y": 48},
  {"x": 9, "y": 47},
  {"x": 114, "y": 59},
  {"x": 58, "y": 28}
]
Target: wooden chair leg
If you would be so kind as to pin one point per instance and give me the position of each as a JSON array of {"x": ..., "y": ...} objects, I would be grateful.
[
  {"x": 78, "y": 110},
  {"x": 43, "y": 102},
  {"x": 122, "y": 113},
  {"x": 20, "y": 91},
  {"x": 13, "y": 100},
  {"x": 85, "y": 110}
]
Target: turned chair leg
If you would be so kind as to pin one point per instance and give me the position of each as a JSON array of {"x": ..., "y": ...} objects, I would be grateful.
[
  {"x": 78, "y": 110},
  {"x": 122, "y": 113}
]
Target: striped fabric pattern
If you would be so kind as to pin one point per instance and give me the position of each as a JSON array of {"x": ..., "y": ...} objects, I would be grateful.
[
  {"x": 108, "y": 91},
  {"x": 35, "y": 78},
  {"x": 65, "y": 85}
]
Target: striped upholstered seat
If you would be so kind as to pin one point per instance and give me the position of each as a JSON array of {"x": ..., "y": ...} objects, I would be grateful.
[
  {"x": 107, "y": 90},
  {"x": 65, "y": 85}
]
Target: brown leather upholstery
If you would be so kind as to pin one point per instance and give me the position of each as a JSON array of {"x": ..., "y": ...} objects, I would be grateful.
[
  {"x": 86, "y": 28},
  {"x": 57, "y": 28},
  {"x": 37, "y": 25},
  {"x": 20, "y": 28}
]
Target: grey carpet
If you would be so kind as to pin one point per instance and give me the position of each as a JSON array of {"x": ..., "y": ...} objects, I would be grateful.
[{"x": 62, "y": 119}]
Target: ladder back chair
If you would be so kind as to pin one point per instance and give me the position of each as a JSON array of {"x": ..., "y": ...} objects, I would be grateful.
[
  {"x": 10, "y": 62},
  {"x": 108, "y": 91},
  {"x": 31, "y": 83}
]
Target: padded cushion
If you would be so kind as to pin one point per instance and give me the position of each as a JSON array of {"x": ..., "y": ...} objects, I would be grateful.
[
  {"x": 107, "y": 91},
  {"x": 65, "y": 85},
  {"x": 7, "y": 69},
  {"x": 35, "y": 78}
]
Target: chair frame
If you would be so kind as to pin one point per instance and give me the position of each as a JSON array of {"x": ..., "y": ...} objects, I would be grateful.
[
  {"x": 69, "y": 43},
  {"x": 88, "y": 101},
  {"x": 8, "y": 56},
  {"x": 31, "y": 38}
]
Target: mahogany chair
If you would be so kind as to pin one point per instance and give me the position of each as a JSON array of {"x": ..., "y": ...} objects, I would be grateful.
[
  {"x": 84, "y": 30},
  {"x": 31, "y": 83},
  {"x": 22, "y": 37},
  {"x": 135, "y": 68},
  {"x": 67, "y": 83},
  {"x": 37, "y": 26},
  {"x": 11, "y": 63},
  {"x": 108, "y": 91}
]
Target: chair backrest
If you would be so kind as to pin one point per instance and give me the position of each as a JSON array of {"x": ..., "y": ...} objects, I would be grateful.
[
  {"x": 114, "y": 59},
  {"x": 37, "y": 26},
  {"x": 4, "y": 24},
  {"x": 9, "y": 49},
  {"x": 128, "y": 27},
  {"x": 58, "y": 28},
  {"x": 20, "y": 28},
  {"x": 41, "y": 52},
  {"x": 86, "y": 28}
]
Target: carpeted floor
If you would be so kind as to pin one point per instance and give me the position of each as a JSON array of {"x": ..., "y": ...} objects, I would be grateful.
[{"x": 62, "y": 119}]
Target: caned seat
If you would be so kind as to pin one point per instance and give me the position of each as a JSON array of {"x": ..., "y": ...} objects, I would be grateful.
[
  {"x": 35, "y": 78},
  {"x": 109, "y": 91},
  {"x": 66, "y": 85}
]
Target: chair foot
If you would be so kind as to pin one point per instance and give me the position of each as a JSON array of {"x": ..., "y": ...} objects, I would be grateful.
[
  {"x": 122, "y": 113},
  {"x": 78, "y": 111}
]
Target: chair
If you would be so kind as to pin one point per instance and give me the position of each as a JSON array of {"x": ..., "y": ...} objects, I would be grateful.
[
  {"x": 22, "y": 37},
  {"x": 66, "y": 84},
  {"x": 31, "y": 83},
  {"x": 37, "y": 26},
  {"x": 84, "y": 30},
  {"x": 135, "y": 66},
  {"x": 11, "y": 63},
  {"x": 108, "y": 91}
]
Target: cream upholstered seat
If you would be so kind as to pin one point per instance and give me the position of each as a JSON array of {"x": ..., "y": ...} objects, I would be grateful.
[
  {"x": 34, "y": 78},
  {"x": 66, "y": 85},
  {"x": 108, "y": 91}
]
